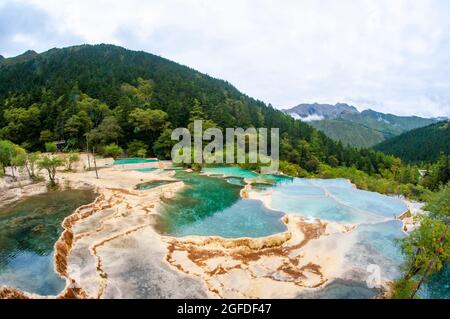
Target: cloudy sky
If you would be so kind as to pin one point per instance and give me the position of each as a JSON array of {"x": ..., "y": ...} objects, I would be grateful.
[{"x": 391, "y": 56}]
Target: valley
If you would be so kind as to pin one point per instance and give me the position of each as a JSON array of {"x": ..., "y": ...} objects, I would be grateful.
[{"x": 93, "y": 207}]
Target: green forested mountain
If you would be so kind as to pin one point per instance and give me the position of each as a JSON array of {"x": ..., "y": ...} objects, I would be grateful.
[
  {"x": 420, "y": 145},
  {"x": 390, "y": 125},
  {"x": 369, "y": 127},
  {"x": 344, "y": 123},
  {"x": 349, "y": 133},
  {"x": 133, "y": 99}
]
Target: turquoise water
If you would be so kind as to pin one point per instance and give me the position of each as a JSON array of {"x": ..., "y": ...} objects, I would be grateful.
[
  {"x": 212, "y": 206},
  {"x": 28, "y": 232},
  {"x": 334, "y": 200},
  {"x": 382, "y": 237},
  {"x": 275, "y": 179},
  {"x": 146, "y": 169},
  {"x": 194, "y": 210},
  {"x": 230, "y": 171},
  {"x": 236, "y": 175},
  {"x": 264, "y": 182},
  {"x": 202, "y": 197},
  {"x": 377, "y": 244},
  {"x": 370, "y": 202},
  {"x": 316, "y": 207},
  {"x": 341, "y": 289},
  {"x": 134, "y": 161},
  {"x": 438, "y": 287},
  {"x": 236, "y": 181},
  {"x": 246, "y": 218},
  {"x": 237, "y": 172},
  {"x": 152, "y": 184}
]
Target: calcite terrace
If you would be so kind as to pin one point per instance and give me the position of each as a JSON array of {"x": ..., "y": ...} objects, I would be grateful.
[{"x": 111, "y": 249}]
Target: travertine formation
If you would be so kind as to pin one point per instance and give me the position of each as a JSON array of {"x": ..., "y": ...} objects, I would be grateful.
[
  {"x": 110, "y": 249},
  {"x": 11, "y": 195},
  {"x": 271, "y": 267}
]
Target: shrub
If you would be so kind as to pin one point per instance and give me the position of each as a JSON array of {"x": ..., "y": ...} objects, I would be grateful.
[
  {"x": 137, "y": 149},
  {"x": 293, "y": 170},
  {"x": 71, "y": 158},
  {"x": 439, "y": 203},
  {"x": 50, "y": 147},
  {"x": 402, "y": 289},
  {"x": 142, "y": 152},
  {"x": 50, "y": 164},
  {"x": 46, "y": 136},
  {"x": 312, "y": 165},
  {"x": 113, "y": 150},
  {"x": 333, "y": 161}
]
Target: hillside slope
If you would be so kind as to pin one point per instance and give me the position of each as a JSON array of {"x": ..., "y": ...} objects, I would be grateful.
[
  {"x": 348, "y": 132},
  {"x": 390, "y": 125},
  {"x": 344, "y": 123},
  {"x": 62, "y": 94},
  {"x": 422, "y": 144}
]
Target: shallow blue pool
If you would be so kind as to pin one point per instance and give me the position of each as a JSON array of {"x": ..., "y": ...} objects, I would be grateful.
[
  {"x": 377, "y": 244},
  {"x": 32, "y": 272},
  {"x": 334, "y": 200},
  {"x": 230, "y": 171},
  {"x": 236, "y": 181},
  {"x": 125, "y": 161},
  {"x": 331, "y": 200},
  {"x": 146, "y": 169},
  {"x": 28, "y": 232},
  {"x": 246, "y": 218},
  {"x": 211, "y": 206}
]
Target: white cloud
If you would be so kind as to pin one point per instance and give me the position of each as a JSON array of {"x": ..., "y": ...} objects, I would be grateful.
[{"x": 393, "y": 55}]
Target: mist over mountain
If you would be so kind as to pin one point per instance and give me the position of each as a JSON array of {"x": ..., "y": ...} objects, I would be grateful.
[{"x": 314, "y": 112}]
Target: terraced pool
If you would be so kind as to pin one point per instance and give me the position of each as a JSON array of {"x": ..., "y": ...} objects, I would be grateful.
[
  {"x": 211, "y": 206},
  {"x": 28, "y": 232},
  {"x": 229, "y": 171},
  {"x": 210, "y": 203},
  {"x": 153, "y": 184},
  {"x": 126, "y": 161},
  {"x": 334, "y": 200}
]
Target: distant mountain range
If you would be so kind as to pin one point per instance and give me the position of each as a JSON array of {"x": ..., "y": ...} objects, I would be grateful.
[
  {"x": 345, "y": 123},
  {"x": 315, "y": 112}
]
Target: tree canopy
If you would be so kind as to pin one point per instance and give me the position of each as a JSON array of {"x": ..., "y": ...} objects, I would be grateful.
[{"x": 114, "y": 95}]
